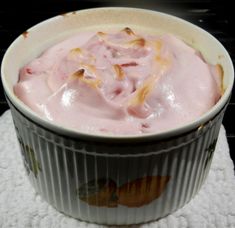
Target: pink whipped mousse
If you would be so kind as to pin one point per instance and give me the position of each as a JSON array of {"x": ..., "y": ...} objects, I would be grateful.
[{"x": 121, "y": 83}]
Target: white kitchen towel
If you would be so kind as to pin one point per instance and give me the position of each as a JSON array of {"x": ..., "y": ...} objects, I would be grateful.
[{"x": 22, "y": 207}]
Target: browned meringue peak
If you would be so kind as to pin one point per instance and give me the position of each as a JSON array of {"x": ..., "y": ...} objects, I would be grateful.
[
  {"x": 143, "y": 91},
  {"x": 92, "y": 82},
  {"x": 128, "y": 31},
  {"x": 119, "y": 72},
  {"x": 140, "y": 42},
  {"x": 220, "y": 72}
]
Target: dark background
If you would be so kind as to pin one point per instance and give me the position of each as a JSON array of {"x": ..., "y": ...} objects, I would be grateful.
[{"x": 215, "y": 16}]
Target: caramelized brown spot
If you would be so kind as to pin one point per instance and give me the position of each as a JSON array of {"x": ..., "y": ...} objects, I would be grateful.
[
  {"x": 138, "y": 42},
  {"x": 128, "y": 31},
  {"x": 119, "y": 71},
  {"x": 101, "y": 33},
  {"x": 25, "y": 34},
  {"x": 94, "y": 83},
  {"x": 220, "y": 71},
  {"x": 78, "y": 74},
  {"x": 74, "y": 12},
  {"x": 129, "y": 64},
  {"x": 142, "y": 92}
]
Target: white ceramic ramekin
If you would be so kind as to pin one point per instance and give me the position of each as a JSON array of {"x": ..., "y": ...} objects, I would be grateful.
[{"x": 114, "y": 179}]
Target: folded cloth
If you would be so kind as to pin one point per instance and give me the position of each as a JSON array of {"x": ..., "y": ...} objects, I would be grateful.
[{"x": 22, "y": 207}]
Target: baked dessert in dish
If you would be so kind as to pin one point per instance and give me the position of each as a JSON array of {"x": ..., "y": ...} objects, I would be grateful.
[{"x": 120, "y": 82}]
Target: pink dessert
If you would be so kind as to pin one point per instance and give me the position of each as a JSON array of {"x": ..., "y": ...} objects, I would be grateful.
[{"x": 121, "y": 83}]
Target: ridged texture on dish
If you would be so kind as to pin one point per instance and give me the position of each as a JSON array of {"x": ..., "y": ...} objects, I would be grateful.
[{"x": 115, "y": 184}]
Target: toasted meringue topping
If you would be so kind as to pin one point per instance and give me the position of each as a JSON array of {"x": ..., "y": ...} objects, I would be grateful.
[
  {"x": 78, "y": 74},
  {"x": 119, "y": 71},
  {"x": 123, "y": 82},
  {"x": 137, "y": 42},
  {"x": 128, "y": 31}
]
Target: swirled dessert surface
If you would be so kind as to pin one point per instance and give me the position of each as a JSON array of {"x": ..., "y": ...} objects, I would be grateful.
[{"x": 121, "y": 83}]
